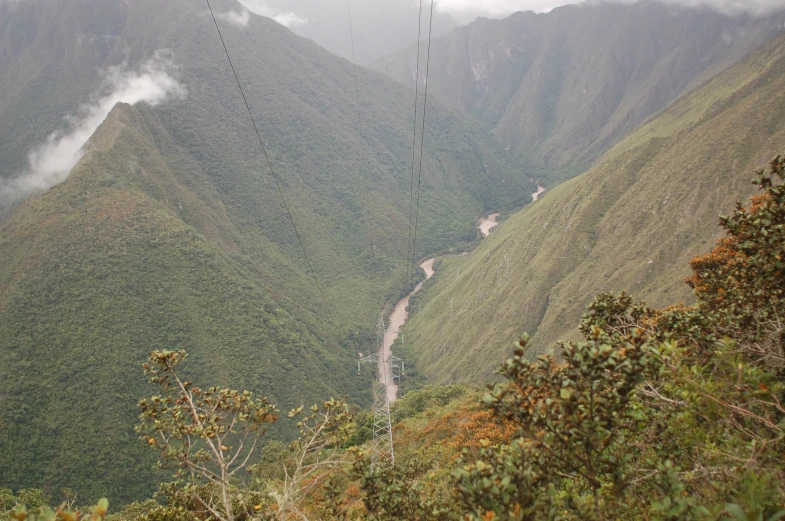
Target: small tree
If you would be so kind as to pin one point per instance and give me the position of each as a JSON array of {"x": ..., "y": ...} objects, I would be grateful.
[
  {"x": 400, "y": 492},
  {"x": 208, "y": 435},
  {"x": 740, "y": 284},
  {"x": 313, "y": 455}
]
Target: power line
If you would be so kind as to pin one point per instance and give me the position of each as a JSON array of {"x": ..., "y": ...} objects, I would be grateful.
[
  {"x": 422, "y": 139},
  {"x": 269, "y": 163},
  {"x": 414, "y": 145},
  {"x": 359, "y": 114}
]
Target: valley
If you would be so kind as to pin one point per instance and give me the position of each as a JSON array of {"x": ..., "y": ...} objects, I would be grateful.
[
  {"x": 165, "y": 196},
  {"x": 395, "y": 322},
  {"x": 559, "y": 89},
  {"x": 206, "y": 207},
  {"x": 399, "y": 314}
]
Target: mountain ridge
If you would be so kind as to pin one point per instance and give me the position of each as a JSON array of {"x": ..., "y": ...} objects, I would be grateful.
[{"x": 629, "y": 224}]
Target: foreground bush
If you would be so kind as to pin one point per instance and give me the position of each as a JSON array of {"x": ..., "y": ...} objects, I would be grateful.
[{"x": 659, "y": 414}]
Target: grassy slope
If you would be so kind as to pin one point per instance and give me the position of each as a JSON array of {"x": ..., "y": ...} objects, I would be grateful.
[
  {"x": 559, "y": 89},
  {"x": 631, "y": 223}
]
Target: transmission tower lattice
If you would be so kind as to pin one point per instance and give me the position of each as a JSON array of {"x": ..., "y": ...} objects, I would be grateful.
[{"x": 382, "y": 444}]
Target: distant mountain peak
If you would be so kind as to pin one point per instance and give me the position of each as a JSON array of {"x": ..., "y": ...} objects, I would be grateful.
[{"x": 560, "y": 88}]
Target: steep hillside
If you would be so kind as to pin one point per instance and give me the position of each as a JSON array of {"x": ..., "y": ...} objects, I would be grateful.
[
  {"x": 631, "y": 223},
  {"x": 349, "y": 195},
  {"x": 561, "y": 88},
  {"x": 171, "y": 233},
  {"x": 129, "y": 255}
]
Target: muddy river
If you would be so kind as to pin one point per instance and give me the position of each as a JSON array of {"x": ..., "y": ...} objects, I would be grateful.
[
  {"x": 400, "y": 313},
  {"x": 397, "y": 319}
]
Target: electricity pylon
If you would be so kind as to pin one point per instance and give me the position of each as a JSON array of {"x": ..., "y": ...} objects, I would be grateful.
[{"x": 382, "y": 444}]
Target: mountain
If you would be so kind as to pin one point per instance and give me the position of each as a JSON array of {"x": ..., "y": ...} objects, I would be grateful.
[
  {"x": 559, "y": 89},
  {"x": 631, "y": 223},
  {"x": 170, "y": 231},
  {"x": 134, "y": 252}
]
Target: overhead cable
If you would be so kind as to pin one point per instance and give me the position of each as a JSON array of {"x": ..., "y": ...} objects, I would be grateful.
[
  {"x": 414, "y": 147},
  {"x": 269, "y": 164},
  {"x": 422, "y": 140},
  {"x": 359, "y": 115}
]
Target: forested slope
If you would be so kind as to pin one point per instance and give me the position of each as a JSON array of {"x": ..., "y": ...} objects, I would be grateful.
[
  {"x": 122, "y": 258},
  {"x": 349, "y": 193},
  {"x": 629, "y": 224},
  {"x": 171, "y": 232}
]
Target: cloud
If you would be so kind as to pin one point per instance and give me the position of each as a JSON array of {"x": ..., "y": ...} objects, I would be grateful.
[
  {"x": 11, "y": 5},
  {"x": 50, "y": 162},
  {"x": 498, "y": 8},
  {"x": 288, "y": 19},
  {"x": 236, "y": 18}
]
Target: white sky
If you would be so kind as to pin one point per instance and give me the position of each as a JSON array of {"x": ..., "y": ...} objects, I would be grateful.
[{"x": 497, "y": 8}]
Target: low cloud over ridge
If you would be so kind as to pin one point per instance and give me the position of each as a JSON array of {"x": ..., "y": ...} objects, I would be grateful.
[
  {"x": 236, "y": 18},
  {"x": 50, "y": 162},
  {"x": 288, "y": 19}
]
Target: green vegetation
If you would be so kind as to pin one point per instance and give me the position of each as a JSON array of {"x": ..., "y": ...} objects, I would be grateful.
[
  {"x": 670, "y": 414},
  {"x": 170, "y": 235},
  {"x": 23, "y": 507},
  {"x": 561, "y": 88},
  {"x": 658, "y": 414},
  {"x": 209, "y": 435},
  {"x": 629, "y": 224},
  {"x": 92, "y": 284},
  {"x": 349, "y": 194},
  {"x": 170, "y": 232}
]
